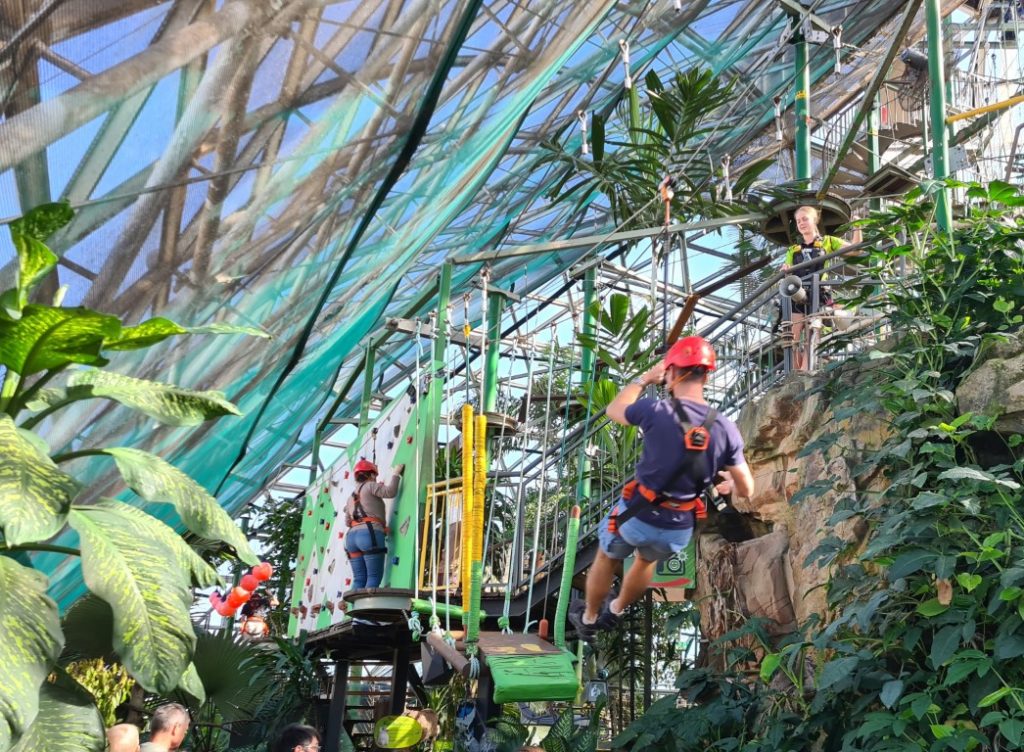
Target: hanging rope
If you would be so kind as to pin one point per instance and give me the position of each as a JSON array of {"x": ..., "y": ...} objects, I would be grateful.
[
  {"x": 484, "y": 275},
  {"x": 449, "y": 584},
  {"x": 503, "y": 621},
  {"x": 415, "y": 626},
  {"x": 434, "y": 560},
  {"x": 581, "y": 115},
  {"x": 837, "y": 48},
  {"x": 624, "y": 47},
  {"x": 778, "y": 118},
  {"x": 553, "y": 345}
]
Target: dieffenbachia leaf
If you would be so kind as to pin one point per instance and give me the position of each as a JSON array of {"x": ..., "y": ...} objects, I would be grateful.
[
  {"x": 35, "y": 260},
  {"x": 68, "y": 720},
  {"x": 191, "y": 683},
  {"x": 251, "y": 331},
  {"x": 34, "y": 493},
  {"x": 46, "y": 397},
  {"x": 31, "y": 641},
  {"x": 143, "y": 569},
  {"x": 157, "y": 329},
  {"x": 44, "y": 220},
  {"x": 155, "y": 479},
  {"x": 173, "y": 405},
  {"x": 46, "y": 337},
  {"x": 9, "y": 307}
]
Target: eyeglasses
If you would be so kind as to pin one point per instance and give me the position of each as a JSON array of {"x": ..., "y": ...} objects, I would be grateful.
[{"x": 314, "y": 747}]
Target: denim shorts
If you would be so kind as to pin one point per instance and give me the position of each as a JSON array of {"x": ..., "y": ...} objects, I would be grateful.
[{"x": 649, "y": 542}]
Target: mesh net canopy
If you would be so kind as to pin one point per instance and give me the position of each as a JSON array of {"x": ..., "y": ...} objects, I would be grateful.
[{"x": 306, "y": 166}]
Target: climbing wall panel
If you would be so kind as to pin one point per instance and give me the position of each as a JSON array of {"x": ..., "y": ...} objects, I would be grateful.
[{"x": 402, "y": 434}]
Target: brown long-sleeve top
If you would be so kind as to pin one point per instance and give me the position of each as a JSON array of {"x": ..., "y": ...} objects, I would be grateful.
[{"x": 371, "y": 498}]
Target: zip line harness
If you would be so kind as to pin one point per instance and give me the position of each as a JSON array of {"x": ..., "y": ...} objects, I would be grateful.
[
  {"x": 696, "y": 440},
  {"x": 360, "y": 517}
]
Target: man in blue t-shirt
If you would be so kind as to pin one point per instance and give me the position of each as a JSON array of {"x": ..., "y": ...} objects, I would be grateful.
[{"x": 669, "y": 480}]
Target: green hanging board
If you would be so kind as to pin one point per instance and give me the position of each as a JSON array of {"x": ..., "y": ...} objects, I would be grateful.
[
  {"x": 533, "y": 678},
  {"x": 397, "y": 732}
]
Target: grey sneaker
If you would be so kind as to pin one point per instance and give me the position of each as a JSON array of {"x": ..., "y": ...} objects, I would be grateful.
[
  {"x": 607, "y": 620},
  {"x": 586, "y": 632}
]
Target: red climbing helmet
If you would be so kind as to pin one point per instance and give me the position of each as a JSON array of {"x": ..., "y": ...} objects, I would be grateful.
[
  {"x": 691, "y": 351},
  {"x": 364, "y": 466}
]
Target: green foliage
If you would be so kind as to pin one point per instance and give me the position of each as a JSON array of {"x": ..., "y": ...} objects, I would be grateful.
[
  {"x": 651, "y": 139},
  {"x": 154, "y": 479},
  {"x": 624, "y": 347},
  {"x": 926, "y": 647},
  {"x": 32, "y": 640},
  {"x": 717, "y": 711},
  {"x": 144, "y": 570},
  {"x": 35, "y": 494},
  {"x": 108, "y": 683},
  {"x": 662, "y": 135},
  {"x": 566, "y": 736},
  {"x": 67, "y": 721},
  {"x": 140, "y": 567}
]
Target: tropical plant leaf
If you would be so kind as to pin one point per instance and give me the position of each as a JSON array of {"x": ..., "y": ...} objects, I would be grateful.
[
  {"x": 68, "y": 720},
  {"x": 9, "y": 306},
  {"x": 751, "y": 173},
  {"x": 191, "y": 683},
  {"x": 597, "y": 137},
  {"x": 251, "y": 331},
  {"x": 143, "y": 569},
  {"x": 44, "y": 220},
  {"x": 236, "y": 676},
  {"x": 34, "y": 493},
  {"x": 155, "y": 479},
  {"x": 46, "y": 337},
  {"x": 155, "y": 330},
  {"x": 46, "y": 397},
  {"x": 173, "y": 405},
  {"x": 31, "y": 642},
  {"x": 35, "y": 260},
  {"x": 88, "y": 630}
]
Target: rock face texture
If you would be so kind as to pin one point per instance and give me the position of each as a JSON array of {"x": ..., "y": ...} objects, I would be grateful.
[
  {"x": 805, "y": 461},
  {"x": 799, "y": 485},
  {"x": 996, "y": 386}
]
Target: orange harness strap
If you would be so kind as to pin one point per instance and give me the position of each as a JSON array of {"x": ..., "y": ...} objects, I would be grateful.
[{"x": 695, "y": 505}]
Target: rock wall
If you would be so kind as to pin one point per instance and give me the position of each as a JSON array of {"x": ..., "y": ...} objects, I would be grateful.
[
  {"x": 802, "y": 476},
  {"x": 797, "y": 489}
]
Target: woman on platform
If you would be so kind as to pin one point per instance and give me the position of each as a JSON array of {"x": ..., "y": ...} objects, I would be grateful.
[
  {"x": 813, "y": 246},
  {"x": 366, "y": 517}
]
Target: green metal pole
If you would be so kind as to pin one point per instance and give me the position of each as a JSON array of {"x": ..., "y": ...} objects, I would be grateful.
[
  {"x": 874, "y": 148},
  {"x": 586, "y": 379},
  {"x": 494, "y": 306},
  {"x": 444, "y": 295},
  {"x": 802, "y": 111},
  {"x": 364, "y": 406},
  {"x": 937, "y": 104},
  {"x": 587, "y": 359},
  {"x": 314, "y": 457},
  {"x": 572, "y": 538}
]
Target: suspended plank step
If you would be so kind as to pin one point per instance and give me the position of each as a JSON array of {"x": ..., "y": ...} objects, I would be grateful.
[{"x": 525, "y": 668}]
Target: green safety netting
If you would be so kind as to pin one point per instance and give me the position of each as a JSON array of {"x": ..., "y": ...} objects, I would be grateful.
[{"x": 306, "y": 166}]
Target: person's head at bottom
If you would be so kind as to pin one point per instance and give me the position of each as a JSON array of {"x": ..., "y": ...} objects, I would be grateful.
[
  {"x": 168, "y": 727},
  {"x": 297, "y": 738},
  {"x": 124, "y": 737}
]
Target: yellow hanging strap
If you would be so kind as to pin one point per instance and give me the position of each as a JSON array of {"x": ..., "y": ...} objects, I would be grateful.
[
  {"x": 479, "y": 488},
  {"x": 467, "y": 504}
]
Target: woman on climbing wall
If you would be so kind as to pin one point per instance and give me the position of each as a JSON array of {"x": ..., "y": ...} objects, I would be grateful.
[
  {"x": 813, "y": 246},
  {"x": 366, "y": 516}
]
